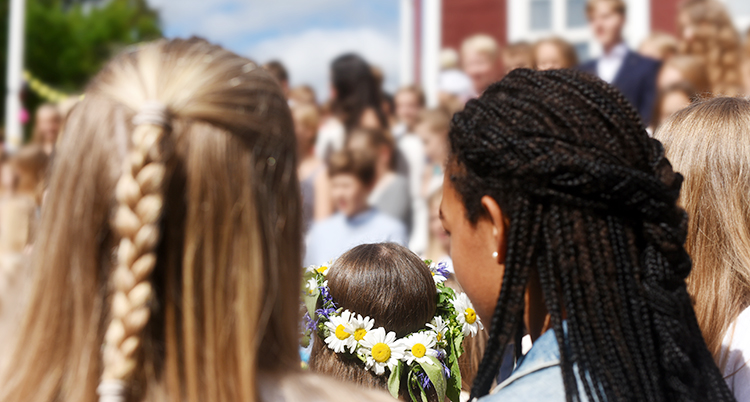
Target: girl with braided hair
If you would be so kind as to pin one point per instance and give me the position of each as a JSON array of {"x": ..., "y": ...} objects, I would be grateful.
[
  {"x": 167, "y": 264},
  {"x": 563, "y": 222}
]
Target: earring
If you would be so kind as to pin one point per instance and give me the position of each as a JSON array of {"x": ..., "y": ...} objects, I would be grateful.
[{"x": 494, "y": 254}]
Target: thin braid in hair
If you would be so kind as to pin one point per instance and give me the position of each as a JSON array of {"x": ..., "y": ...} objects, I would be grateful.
[
  {"x": 591, "y": 202},
  {"x": 140, "y": 198}
]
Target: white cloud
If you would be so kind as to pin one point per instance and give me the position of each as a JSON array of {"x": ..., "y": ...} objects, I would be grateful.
[{"x": 308, "y": 55}]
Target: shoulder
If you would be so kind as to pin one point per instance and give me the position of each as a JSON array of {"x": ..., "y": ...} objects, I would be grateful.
[
  {"x": 326, "y": 224},
  {"x": 314, "y": 388},
  {"x": 544, "y": 385},
  {"x": 646, "y": 63},
  {"x": 588, "y": 66}
]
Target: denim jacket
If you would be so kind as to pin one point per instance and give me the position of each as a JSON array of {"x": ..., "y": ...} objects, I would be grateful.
[{"x": 538, "y": 376}]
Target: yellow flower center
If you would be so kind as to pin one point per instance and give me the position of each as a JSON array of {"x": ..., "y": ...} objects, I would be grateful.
[
  {"x": 418, "y": 350},
  {"x": 439, "y": 337},
  {"x": 322, "y": 270},
  {"x": 341, "y": 332},
  {"x": 433, "y": 273},
  {"x": 471, "y": 315},
  {"x": 360, "y": 333},
  {"x": 381, "y": 352}
]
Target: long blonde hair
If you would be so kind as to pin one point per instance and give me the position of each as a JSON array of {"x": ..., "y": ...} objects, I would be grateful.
[
  {"x": 177, "y": 235},
  {"x": 709, "y": 143}
]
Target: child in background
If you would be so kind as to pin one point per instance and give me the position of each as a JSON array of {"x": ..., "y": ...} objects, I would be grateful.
[
  {"x": 47, "y": 127},
  {"x": 480, "y": 61},
  {"x": 518, "y": 55},
  {"x": 302, "y": 95},
  {"x": 554, "y": 53},
  {"x": 670, "y": 100},
  {"x": 355, "y": 222},
  {"x": 314, "y": 183},
  {"x": 433, "y": 130},
  {"x": 391, "y": 194},
  {"x": 659, "y": 46}
]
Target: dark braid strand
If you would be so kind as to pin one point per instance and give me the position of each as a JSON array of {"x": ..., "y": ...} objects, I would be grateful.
[{"x": 591, "y": 202}]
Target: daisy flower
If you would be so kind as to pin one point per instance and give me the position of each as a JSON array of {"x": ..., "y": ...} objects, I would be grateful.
[
  {"x": 439, "y": 328},
  {"x": 341, "y": 332},
  {"x": 311, "y": 286},
  {"x": 466, "y": 315},
  {"x": 439, "y": 272},
  {"x": 323, "y": 270},
  {"x": 359, "y": 327},
  {"x": 381, "y": 350},
  {"x": 420, "y": 346}
]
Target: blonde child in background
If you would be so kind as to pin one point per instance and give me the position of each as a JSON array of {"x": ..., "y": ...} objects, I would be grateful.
[
  {"x": 480, "y": 60},
  {"x": 314, "y": 183},
  {"x": 433, "y": 130}
]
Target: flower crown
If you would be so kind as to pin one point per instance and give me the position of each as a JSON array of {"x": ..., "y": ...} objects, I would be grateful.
[{"x": 428, "y": 357}]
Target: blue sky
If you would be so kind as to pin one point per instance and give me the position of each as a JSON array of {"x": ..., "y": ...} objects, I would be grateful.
[{"x": 304, "y": 34}]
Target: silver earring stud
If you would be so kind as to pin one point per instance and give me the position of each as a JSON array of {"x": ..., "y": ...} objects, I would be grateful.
[{"x": 494, "y": 254}]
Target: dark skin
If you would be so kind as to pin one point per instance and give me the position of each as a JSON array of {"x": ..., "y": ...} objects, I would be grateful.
[{"x": 478, "y": 270}]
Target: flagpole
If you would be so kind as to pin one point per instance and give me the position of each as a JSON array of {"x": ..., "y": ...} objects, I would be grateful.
[{"x": 14, "y": 79}]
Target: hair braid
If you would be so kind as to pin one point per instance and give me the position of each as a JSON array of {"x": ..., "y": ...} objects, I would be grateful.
[
  {"x": 140, "y": 198},
  {"x": 592, "y": 207}
]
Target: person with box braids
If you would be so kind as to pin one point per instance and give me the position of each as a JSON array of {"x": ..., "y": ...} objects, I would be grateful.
[{"x": 558, "y": 201}]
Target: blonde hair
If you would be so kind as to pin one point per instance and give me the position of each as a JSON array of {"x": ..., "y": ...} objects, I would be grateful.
[
  {"x": 716, "y": 41},
  {"x": 693, "y": 71},
  {"x": 199, "y": 298},
  {"x": 709, "y": 143},
  {"x": 567, "y": 50},
  {"x": 303, "y": 94},
  {"x": 481, "y": 43},
  {"x": 307, "y": 115},
  {"x": 666, "y": 44},
  {"x": 618, "y": 5}
]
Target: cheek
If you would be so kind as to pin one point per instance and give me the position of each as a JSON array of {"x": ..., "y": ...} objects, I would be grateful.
[{"x": 478, "y": 274}]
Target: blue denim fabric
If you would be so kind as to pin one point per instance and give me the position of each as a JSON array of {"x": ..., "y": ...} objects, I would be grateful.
[{"x": 538, "y": 376}]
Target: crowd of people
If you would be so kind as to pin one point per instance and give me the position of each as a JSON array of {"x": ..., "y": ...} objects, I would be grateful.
[{"x": 550, "y": 231}]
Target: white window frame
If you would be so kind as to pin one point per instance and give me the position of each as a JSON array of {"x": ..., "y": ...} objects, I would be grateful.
[
  {"x": 637, "y": 28},
  {"x": 741, "y": 22}
]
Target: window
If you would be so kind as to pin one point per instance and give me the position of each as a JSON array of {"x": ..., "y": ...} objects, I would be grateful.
[
  {"x": 541, "y": 15},
  {"x": 576, "y": 13}
]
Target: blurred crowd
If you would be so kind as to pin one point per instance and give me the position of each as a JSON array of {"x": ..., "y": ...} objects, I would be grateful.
[{"x": 372, "y": 162}]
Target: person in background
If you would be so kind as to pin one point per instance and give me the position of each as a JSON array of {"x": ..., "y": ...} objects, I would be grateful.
[
  {"x": 311, "y": 170},
  {"x": 708, "y": 144},
  {"x": 167, "y": 260},
  {"x": 390, "y": 193},
  {"x": 433, "y": 128},
  {"x": 517, "y": 55},
  {"x": 659, "y": 46},
  {"x": 563, "y": 220},
  {"x": 745, "y": 67},
  {"x": 439, "y": 245},
  {"x": 279, "y": 72},
  {"x": 410, "y": 159},
  {"x": 688, "y": 69},
  {"x": 355, "y": 221},
  {"x": 554, "y": 53},
  {"x": 355, "y": 103},
  {"x": 48, "y": 122},
  {"x": 389, "y": 108},
  {"x": 302, "y": 94},
  {"x": 480, "y": 60},
  {"x": 630, "y": 72},
  {"x": 707, "y": 31},
  {"x": 454, "y": 87},
  {"x": 671, "y": 100}
]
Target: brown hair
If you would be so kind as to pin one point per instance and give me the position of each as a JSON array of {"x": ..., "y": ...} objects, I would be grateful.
[
  {"x": 417, "y": 91},
  {"x": 520, "y": 49},
  {"x": 307, "y": 115},
  {"x": 201, "y": 298},
  {"x": 693, "y": 70},
  {"x": 438, "y": 119},
  {"x": 31, "y": 162},
  {"x": 388, "y": 283},
  {"x": 680, "y": 87},
  {"x": 666, "y": 44},
  {"x": 277, "y": 70},
  {"x": 36, "y": 136},
  {"x": 709, "y": 144},
  {"x": 716, "y": 41},
  {"x": 567, "y": 50},
  {"x": 360, "y": 165},
  {"x": 619, "y": 6},
  {"x": 303, "y": 94}
]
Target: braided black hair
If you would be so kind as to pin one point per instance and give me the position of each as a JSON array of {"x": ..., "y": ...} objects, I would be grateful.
[{"x": 592, "y": 207}]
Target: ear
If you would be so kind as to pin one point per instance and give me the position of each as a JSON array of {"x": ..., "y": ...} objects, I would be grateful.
[{"x": 498, "y": 226}]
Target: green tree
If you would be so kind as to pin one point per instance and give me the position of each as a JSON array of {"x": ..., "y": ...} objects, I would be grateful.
[{"x": 68, "y": 41}]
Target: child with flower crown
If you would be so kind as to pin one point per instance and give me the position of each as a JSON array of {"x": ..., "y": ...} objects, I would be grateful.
[{"x": 382, "y": 318}]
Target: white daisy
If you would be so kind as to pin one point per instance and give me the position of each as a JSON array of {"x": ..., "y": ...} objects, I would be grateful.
[
  {"x": 439, "y": 272},
  {"x": 359, "y": 327},
  {"x": 323, "y": 269},
  {"x": 311, "y": 286},
  {"x": 341, "y": 332},
  {"x": 420, "y": 346},
  {"x": 381, "y": 350},
  {"x": 439, "y": 328},
  {"x": 466, "y": 315}
]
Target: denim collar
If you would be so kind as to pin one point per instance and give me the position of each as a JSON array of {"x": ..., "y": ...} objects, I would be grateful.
[{"x": 544, "y": 353}]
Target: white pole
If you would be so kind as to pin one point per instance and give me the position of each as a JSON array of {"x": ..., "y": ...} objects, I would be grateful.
[
  {"x": 431, "y": 43},
  {"x": 14, "y": 82},
  {"x": 406, "y": 58}
]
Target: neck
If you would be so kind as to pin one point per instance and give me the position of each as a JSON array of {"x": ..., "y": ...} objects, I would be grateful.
[
  {"x": 611, "y": 46},
  {"x": 380, "y": 171},
  {"x": 358, "y": 210}
]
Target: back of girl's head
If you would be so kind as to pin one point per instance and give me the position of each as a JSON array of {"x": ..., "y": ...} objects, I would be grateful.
[
  {"x": 356, "y": 89},
  {"x": 386, "y": 282},
  {"x": 172, "y": 226},
  {"x": 591, "y": 206},
  {"x": 709, "y": 143}
]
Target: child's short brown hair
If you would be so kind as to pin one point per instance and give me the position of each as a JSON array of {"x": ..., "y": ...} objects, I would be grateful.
[
  {"x": 360, "y": 165},
  {"x": 619, "y": 6},
  {"x": 438, "y": 119}
]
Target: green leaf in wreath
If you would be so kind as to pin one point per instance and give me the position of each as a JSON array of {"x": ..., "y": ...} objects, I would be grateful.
[
  {"x": 394, "y": 381},
  {"x": 411, "y": 380},
  {"x": 311, "y": 302},
  {"x": 435, "y": 373}
]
